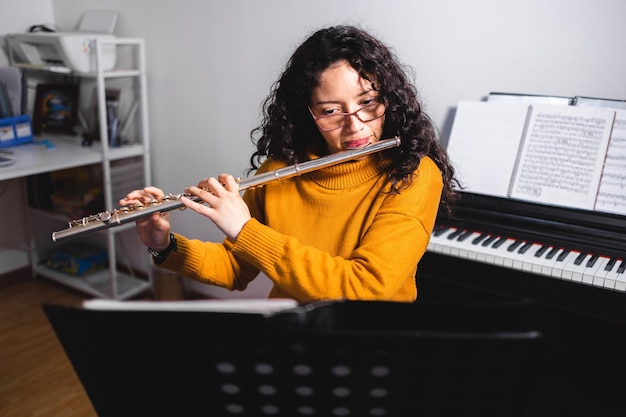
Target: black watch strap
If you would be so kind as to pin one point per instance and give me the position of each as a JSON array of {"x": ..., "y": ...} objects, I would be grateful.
[{"x": 159, "y": 257}]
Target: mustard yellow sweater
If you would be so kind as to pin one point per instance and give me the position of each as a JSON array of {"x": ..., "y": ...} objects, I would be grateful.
[{"x": 329, "y": 234}]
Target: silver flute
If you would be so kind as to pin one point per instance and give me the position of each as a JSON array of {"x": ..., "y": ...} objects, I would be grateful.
[{"x": 130, "y": 213}]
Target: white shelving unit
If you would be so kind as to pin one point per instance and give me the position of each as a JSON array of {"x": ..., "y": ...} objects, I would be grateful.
[{"x": 32, "y": 159}]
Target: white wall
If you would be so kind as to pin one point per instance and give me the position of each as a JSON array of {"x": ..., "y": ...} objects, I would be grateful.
[
  {"x": 18, "y": 16},
  {"x": 212, "y": 62}
]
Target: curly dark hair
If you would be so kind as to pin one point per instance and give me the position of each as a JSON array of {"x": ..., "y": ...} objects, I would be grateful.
[{"x": 287, "y": 130}]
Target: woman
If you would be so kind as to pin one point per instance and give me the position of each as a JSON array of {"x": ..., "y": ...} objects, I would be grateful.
[{"x": 354, "y": 230}]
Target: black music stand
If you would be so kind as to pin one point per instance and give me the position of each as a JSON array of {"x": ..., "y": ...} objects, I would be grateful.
[{"x": 354, "y": 358}]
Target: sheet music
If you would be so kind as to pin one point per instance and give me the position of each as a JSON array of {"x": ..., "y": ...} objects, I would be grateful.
[
  {"x": 563, "y": 155},
  {"x": 484, "y": 143},
  {"x": 612, "y": 193}
]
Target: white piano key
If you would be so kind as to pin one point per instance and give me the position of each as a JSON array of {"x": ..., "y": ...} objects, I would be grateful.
[
  {"x": 484, "y": 252},
  {"x": 563, "y": 269},
  {"x": 529, "y": 258},
  {"x": 578, "y": 267},
  {"x": 498, "y": 248},
  {"x": 539, "y": 258},
  {"x": 491, "y": 252},
  {"x": 549, "y": 264},
  {"x": 516, "y": 257},
  {"x": 617, "y": 276},
  {"x": 595, "y": 274}
]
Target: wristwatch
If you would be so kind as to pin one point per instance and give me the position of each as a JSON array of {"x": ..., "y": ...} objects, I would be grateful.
[{"x": 159, "y": 257}]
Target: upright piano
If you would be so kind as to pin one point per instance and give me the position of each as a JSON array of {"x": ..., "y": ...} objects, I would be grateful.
[{"x": 571, "y": 263}]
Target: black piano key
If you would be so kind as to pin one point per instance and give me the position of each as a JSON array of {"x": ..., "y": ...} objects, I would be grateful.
[
  {"x": 592, "y": 261},
  {"x": 579, "y": 258},
  {"x": 454, "y": 234},
  {"x": 610, "y": 264},
  {"x": 490, "y": 239},
  {"x": 622, "y": 268},
  {"x": 541, "y": 251},
  {"x": 464, "y": 235},
  {"x": 525, "y": 247},
  {"x": 479, "y": 238},
  {"x": 563, "y": 255},
  {"x": 514, "y": 245},
  {"x": 439, "y": 229},
  {"x": 552, "y": 252},
  {"x": 499, "y": 242}
]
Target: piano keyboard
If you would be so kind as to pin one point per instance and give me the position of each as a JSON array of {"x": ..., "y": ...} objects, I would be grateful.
[{"x": 533, "y": 257}]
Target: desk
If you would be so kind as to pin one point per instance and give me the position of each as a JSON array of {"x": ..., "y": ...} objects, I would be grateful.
[
  {"x": 36, "y": 158},
  {"x": 18, "y": 219}
]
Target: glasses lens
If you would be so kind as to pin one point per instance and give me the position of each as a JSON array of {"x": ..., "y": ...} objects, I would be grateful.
[
  {"x": 364, "y": 114},
  {"x": 332, "y": 122},
  {"x": 371, "y": 112}
]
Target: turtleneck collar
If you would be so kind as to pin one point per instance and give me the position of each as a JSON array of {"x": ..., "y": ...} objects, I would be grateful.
[{"x": 347, "y": 174}]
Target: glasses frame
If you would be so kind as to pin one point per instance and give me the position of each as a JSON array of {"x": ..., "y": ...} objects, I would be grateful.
[{"x": 347, "y": 115}]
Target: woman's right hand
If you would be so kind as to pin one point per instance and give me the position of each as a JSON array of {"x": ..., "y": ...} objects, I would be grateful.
[{"x": 154, "y": 231}]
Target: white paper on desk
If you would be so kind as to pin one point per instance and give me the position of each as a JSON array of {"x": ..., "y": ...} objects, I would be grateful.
[
  {"x": 484, "y": 142},
  {"x": 249, "y": 306}
]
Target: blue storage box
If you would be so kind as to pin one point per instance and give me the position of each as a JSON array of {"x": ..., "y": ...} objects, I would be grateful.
[
  {"x": 15, "y": 131},
  {"x": 77, "y": 259}
]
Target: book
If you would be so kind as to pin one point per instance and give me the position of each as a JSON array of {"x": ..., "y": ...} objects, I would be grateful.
[
  {"x": 12, "y": 79},
  {"x": 6, "y": 109},
  {"x": 542, "y": 153}
]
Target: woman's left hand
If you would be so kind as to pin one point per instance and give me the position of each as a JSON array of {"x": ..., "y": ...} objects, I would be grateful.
[{"x": 224, "y": 205}]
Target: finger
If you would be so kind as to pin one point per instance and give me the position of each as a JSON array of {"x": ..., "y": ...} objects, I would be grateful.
[
  {"x": 229, "y": 182},
  {"x": 203, "y": 183},
  {"x": 198, "y": 207},
  {"x": 205, "y": 194},
  {"x": 156, "y": 192},
  {"x": 145, "y": 196},
  {"x": 210, "y": 186}
]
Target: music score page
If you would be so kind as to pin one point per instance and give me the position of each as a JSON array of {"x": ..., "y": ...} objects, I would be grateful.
[{"x": 560, "y": 155}]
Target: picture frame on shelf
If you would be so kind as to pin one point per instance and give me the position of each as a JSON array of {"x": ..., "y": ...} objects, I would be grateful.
[{"x": 56, "y": 108}]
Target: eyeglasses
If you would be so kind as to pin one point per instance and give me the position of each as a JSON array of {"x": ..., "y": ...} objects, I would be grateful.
[{"x": 365, "y": 114}]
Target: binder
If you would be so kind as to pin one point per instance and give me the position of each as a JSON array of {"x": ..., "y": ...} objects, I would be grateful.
[
  {"x": 16, "y": 130},
  {"x": 353, "y": 358}
]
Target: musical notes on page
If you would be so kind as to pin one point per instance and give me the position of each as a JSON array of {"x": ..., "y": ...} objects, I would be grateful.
[
  {"x": 612, "y": 191},
  {"x": 562, "y": 155}
]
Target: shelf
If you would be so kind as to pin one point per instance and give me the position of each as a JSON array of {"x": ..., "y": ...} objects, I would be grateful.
[
  {"x": 37, "y": 158},
  {"x": 66, "y": 71},
  {"x": 98, "y": 283},
  {"x": 125, "y": 151},
  {"x": 53, "y": 152},
  {"x": 113, "y": 74}
]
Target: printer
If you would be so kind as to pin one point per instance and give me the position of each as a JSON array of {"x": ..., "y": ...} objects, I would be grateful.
[{"x": 70, "y": 51}]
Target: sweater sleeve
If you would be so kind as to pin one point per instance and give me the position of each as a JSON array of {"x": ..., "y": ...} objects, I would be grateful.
[
  {"x": 382, "y": 267},
  {"x": 209, "y": 262}
]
